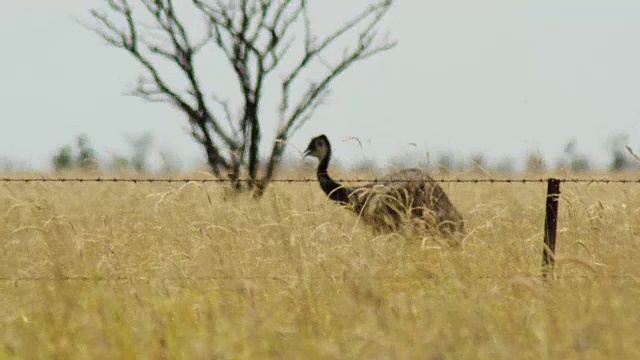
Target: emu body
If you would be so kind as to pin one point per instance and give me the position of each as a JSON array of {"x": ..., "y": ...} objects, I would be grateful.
[{"x": 406, "y": 197}]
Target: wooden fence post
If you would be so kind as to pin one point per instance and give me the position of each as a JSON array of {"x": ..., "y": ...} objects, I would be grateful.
[{"x": 550, "y": 225}]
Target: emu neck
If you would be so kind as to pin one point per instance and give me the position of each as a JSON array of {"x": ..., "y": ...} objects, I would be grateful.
[{"x": 335, "y": 191}]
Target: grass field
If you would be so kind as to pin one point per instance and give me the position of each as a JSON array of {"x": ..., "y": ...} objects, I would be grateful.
[{"x": 153, "y": 271}]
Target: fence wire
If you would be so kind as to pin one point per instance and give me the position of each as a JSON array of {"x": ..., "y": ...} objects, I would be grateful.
[
  {"x": 309, "y": 180},
  {"x": 632, "y": 277}
]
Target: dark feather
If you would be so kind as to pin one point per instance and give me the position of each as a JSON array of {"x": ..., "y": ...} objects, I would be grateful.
[{"x": 404, "y": 197}]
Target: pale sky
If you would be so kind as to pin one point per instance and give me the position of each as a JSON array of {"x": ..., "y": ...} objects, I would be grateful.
[{"x": 500, "y": 78}]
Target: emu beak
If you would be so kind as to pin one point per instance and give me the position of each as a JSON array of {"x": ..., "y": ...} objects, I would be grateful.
[{"x": 306, "y": 153}]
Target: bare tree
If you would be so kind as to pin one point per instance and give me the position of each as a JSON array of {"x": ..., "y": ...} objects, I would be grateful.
[{"x": 255, "y": 36}]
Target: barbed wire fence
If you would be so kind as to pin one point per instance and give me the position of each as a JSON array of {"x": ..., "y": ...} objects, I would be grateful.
[
  {"x": 214, "y": 278},
  {"x": 551, "y": 203},
  {"x": 308, "y": 180}
]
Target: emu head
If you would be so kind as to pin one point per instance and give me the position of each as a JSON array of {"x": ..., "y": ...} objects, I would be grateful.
[{"x": 319, "y": 147}]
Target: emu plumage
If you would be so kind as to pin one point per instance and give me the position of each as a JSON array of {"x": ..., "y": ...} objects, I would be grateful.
[{"x": 406, "y": 196}]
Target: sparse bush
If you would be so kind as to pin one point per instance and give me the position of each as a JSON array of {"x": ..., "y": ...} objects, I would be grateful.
[
  {"x": 399, "y": 162},
  {"x": 63, "y": 159},
  {"x": 118, "y": 163},
  {"x": 86, "y": 154},
  {"x": 140, "y": 148},
  {"x": 364, "y": 166},
  {"x": 85, "y": 159},
  {"x": 477, "y": 163},
  {"x": 572, "y": 159},
  {"x": 445, "y": 163},
  {"x": 619, "y": 156}
]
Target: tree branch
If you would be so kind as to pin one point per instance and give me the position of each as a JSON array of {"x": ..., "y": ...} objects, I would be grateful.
[
  {"x": 181, "y": 52},
  {"x": 373, "y": 14},
  {"x": 255, "y": 36},
  {"x": 312, "y": 98}
]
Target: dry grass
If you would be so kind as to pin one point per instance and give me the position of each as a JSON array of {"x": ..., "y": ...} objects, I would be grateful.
[{"x": 184, "y": 271}]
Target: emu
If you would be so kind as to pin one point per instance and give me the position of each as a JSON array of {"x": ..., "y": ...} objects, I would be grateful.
[{"x": 406, "y": 197}]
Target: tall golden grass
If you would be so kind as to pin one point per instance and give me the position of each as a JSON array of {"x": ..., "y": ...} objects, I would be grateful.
[{"x": 107, "y": 271}]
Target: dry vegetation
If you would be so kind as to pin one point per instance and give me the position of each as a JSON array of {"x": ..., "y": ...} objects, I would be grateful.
[{"x": 185, "y": 271}]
